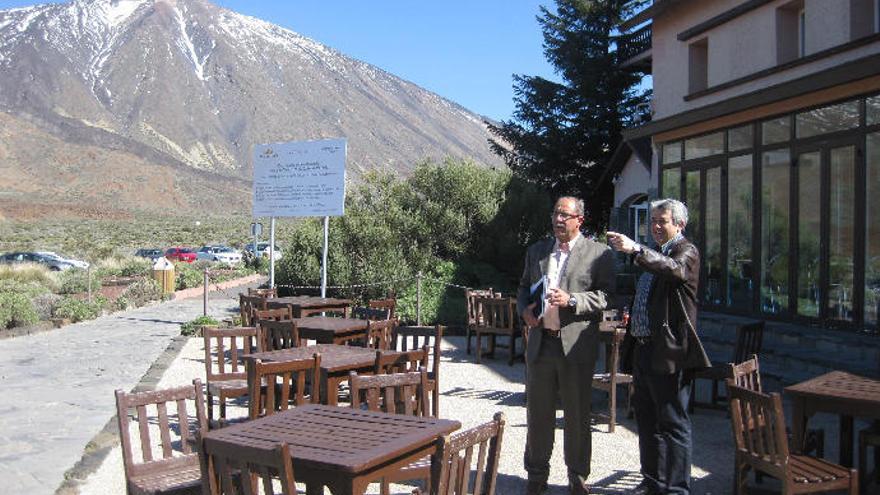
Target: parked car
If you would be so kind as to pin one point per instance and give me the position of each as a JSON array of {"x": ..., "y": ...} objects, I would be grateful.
[
  {"x": 223, "y": 254},
  {"x": 152, "y": 253},
  {"x": 263, "y": 249},
  {"x": 184, "y": 254},
  {"x": 54, "y": 261}
]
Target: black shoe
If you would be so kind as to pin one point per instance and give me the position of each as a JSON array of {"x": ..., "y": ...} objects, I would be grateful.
[
  {"x": 644, "y": 488},
  {"x": 577, "y": 487},
  {"x": 536, "y": 487}
]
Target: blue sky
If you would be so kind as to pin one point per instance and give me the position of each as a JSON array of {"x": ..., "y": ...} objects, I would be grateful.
[{"x": 464, "y": 50}]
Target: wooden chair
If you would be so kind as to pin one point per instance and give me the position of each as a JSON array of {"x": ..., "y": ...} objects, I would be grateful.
[
  {"x": 760, "y": 442},
  {"x": 612, "y": 378},
  {"x": 277, "y": 335},
  {"x": 278, "y": 381},
  {"x": 264, "y": 293},
  {"x": 473, "y": 312},
  {"x": 274, "y": 314},
  {"x": 224, "y": 367},
  {"x": 399, "y": 393},
  {"x": 176, "y": 468},
  {"x": 749, "y": 338},
  {"x": 379, "y": 334},
  {"x": 373, "y": 314},
  {"x": 477, "y": 449},
  {"x": 388, "y": 304},
  {"x": 407, "y": 361},
  {"x": 246, "y": 307},
  {"x": 409, "y": 338},
  {"x": 869, "y": 437},
  {"x": 498, "y": 319},
  {"x": 238, "y": 469}
]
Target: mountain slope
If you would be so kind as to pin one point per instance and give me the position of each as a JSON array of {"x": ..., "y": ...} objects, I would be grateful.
[{"x": 185, "y": 88}]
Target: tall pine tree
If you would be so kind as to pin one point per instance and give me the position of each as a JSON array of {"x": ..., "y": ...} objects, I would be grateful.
[{"x": 563, "y": 134}]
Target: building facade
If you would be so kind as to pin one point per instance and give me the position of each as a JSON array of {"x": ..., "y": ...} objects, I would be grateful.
[{"x": 766, "y": 122}]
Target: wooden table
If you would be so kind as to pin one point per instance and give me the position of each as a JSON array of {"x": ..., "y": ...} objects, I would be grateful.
[
  {"x": 298, "y": 303},
  {"x": 836, "y": 392},
  {"x": 330, "y": 330},
  {"x": 336, "y": 362},
  {"x": 341, "y": 448}
]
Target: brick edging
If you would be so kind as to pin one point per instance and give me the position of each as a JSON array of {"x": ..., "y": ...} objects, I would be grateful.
[{"x": 198, "y": 291}]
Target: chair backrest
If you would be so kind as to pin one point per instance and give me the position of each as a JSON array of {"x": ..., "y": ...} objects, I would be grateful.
[
  {"x": 496, "y": 312},
  {"x": 270, "y": 385},
  {"x": 274, "y": 314},
  {"x": 479, "y": 449},
  {"x": 233, "y": 469},
  {"x": 150, "y": 411},
  {"x": 224, "y": 348},
  {"x": 405, "y": 361},
  {"x": 273, "y": 292},
  {"x": 247, "y": 305},
  {"x": 759, "y": 430},
  {"x": 276, "y": 335},
  {"x": 470, "y": 295},
  {"x": 749, "y": 338},
  {"x": 410, "y": 338},
  {"x": 746, "y": 374},
  {"x": 340, "y": 312},
  {"x": 389, "y": 304},
  {"x": 379, "y": 333},
  {"x": 401, "y": 393},
  {"x": 363, "y": 313}
]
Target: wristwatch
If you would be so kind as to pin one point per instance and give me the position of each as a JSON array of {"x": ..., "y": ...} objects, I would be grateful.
[
  {"x": 572, "y": 302},
  {"x": 638, "y": 250}
]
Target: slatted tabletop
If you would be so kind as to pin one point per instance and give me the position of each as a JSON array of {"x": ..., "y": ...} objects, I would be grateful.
[
  {"x": 836, "y": 392},
  {"x": 330, "y": 330},
  {"x": 340, "y": 447}
]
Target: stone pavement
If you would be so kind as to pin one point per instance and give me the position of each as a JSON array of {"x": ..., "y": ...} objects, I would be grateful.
[{"x": 58, "y": 385}]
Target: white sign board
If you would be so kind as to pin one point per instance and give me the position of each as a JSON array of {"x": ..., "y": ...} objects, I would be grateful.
[{"x": 300, "y": 179}]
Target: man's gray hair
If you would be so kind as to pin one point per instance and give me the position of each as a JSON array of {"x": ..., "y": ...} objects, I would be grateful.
[
  {"x": 578, "y": 204},
  {"x": 678, "y": 210}
]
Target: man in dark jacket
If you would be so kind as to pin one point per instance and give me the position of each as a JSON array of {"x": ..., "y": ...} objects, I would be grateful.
[{"x": 661, "y": 347}]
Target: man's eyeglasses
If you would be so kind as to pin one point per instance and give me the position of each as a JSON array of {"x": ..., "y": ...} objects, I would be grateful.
[{"x": 563, "y": 215}]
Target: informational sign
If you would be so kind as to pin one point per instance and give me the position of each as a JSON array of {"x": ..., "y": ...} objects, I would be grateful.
[{"x": 300, "y": 179}]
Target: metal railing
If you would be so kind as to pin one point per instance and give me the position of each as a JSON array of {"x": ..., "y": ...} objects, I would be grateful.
[{"x": 634, "y": 44}]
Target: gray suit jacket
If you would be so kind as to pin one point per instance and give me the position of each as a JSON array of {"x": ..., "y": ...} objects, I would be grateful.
[{"x": 588, "y": 276}]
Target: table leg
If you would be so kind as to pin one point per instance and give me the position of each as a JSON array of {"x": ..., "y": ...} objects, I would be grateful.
[
  {"x": 314, "y": 489},
  {"x": 846, "y": 440},
  {"x": 333, "y": 390},
  {"x": 798, "y": 424}
]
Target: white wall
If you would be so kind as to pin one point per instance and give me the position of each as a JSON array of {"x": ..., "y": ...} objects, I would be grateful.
[
  {"x": 741, "y": 47},
  {"x": 633, "y": 179}
]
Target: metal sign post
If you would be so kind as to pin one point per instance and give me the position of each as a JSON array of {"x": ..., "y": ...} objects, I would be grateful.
[
  {"x": 272, "y": 253},
  {"x": 324, "y": 260}
]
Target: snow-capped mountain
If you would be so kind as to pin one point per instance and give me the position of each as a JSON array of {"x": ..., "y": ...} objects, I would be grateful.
[{"x": 145, "y": 102}]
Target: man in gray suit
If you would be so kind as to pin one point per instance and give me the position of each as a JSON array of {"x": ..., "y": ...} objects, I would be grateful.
[{"x": 563, "y": 343}]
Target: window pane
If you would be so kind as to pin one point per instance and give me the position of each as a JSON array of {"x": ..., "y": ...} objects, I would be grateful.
[
  {"x": 827, "y": 119},
  {"x": 672, "y": 183},
  {"x": 842, "y": 222},
  {"x": 809, "y": 225},
  {"x": 872, "y": 233},
  {"x": 776, "y": 130},
  {"x": 692, "y": 191},
  {"x": 672, "y": 152},
  {"x": 708, "y": 145},
  {"x": 739, "y": 232},
  {"x": 712, "y": 257},
  {"x": 774, "y": 231},
  {"x": 739, "y": 138},
  {"x": 872, "y": 106}
]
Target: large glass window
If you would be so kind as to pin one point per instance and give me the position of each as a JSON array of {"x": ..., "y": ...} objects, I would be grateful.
[
  {"x": 712, "y": 256},
  {"x": 776, "y": 130},
  {"x": 692, "y": 200},
  {"x": 809, "y": 232},
  {"x": 672, "y": 152},
  {"x": 708, "y": 145},
  {"x": 872, "y": 227},
  {"x": 739, "y": 138},
  {"x": 841, "y": 223},
  {"x": 739, "y": 232},
  {"x": 774, "y": 231},
  {"x": 672, "y": 183},
  {"x": 872, "y": 107},
  {"x": 827, "y": 119}
]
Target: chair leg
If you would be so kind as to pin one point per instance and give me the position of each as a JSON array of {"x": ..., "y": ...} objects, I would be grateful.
[
  {"x": 468, "y": 338},
  {"x": 479, "y": 348},
  {"x": 853, "y": 482},
  {"x": 612, "y": 407},
  {"x": 210, "y": 401}
]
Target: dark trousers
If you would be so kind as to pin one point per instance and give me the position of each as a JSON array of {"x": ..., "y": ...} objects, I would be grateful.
[
  {"x": 550, "y": 375},
  {"x": 661, "y": 404}
]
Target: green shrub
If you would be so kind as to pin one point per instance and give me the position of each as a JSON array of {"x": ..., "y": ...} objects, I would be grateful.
[
  {"x": 16, "y": 310},
  {"x": 76, "y": 281},
  {"x": 29, "y": 288},
  {"x": 133, "y": 267},
  {"x": 142, "y": 291},
  {"x": 188, "y": 275},
  {"x": 45, "y": 304},
  {"x": 76, "y": 310},
  {"x": 191, "y": 328},
  {"x": 28, "y": 274}
]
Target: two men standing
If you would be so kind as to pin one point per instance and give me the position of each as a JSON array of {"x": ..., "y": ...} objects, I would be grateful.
[{"x": 661, "y": 345}]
